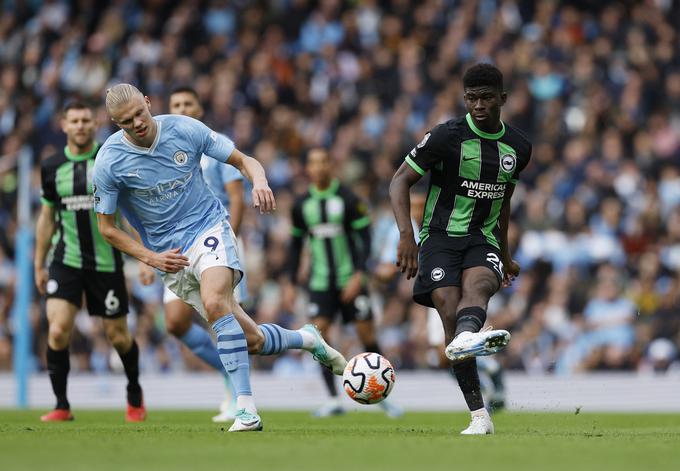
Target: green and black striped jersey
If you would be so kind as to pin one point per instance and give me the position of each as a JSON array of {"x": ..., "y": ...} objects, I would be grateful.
[
  {"x": 67, "y": 187},
  {"x": 337, "y": 223},
  {"x": 470, "y": 170}
]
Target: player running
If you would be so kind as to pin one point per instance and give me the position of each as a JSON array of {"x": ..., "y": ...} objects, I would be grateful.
[
  {"x": 227, "y": 184},
  {"x": 151, "y": 169},
  {"x": 338, "y": 227},
  {"x": 464, "y": 257},
  {"x": 81, "y": 262}
]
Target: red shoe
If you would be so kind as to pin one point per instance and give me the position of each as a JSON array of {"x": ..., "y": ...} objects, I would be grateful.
[
  {"x": 135, "y": 414},
  {"x": 57, "y": 415}
]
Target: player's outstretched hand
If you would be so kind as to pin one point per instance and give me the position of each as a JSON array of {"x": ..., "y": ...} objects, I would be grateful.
[
  {"x": 263, "y": 197},
  {"x": 146, "y": 274},
  {"x": 407, "y": 257},
  {"x": 511, "y": 272},
  {"x": 170, "y": 261}
]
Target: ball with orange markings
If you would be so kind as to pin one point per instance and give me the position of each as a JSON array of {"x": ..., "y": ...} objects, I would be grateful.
[{"x": 368, "y": 378}]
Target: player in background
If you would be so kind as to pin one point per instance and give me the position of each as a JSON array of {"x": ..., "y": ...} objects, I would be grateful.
[
  {"x": 81, "y": 262},
  {"x": 227, "y": 184},
  {"x": 337, "y": 224},
  {"x": 151, "y": 170},
  {"x": 464, "y": 258}
]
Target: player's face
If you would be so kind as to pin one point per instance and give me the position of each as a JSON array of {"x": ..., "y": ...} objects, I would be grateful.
[
  {"x": 134, "y": 117},
  {"x": 319, "y": 167},
  {"x": 484, "y": 105},
  {"x": 186, "y": 104},
  {"x": 79, "y": 126}
]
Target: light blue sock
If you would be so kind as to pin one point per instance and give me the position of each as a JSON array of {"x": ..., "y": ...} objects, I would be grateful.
[
  {"x": 277, "y": 339},
  {"x": 201, "y": 344},
  {"x": 233, "y": 350}
]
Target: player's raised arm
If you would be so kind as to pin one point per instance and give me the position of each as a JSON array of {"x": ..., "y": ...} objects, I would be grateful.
[
  {"x": 170, "y": 261},
  {"x": 263, "y": 197}
]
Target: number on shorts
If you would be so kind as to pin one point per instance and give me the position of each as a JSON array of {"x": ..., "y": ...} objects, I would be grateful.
[
  {"x": 211, "y": 242},
  {"x": 111, "y": 302},
  {"x": 495, "y": 261}
]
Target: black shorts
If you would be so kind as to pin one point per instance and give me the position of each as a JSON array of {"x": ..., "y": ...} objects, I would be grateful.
[
  {"x": 327, "y": 304},
  {"x": 105, "y": 293},
  {"x": 442, "y": 259}
]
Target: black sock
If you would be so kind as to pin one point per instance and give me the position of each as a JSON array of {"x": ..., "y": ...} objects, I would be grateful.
[
  {"x": 130, "y": 361},
  {"x": 58, "y": 366},
  {"x": 329, "y": 379},
  {"x": 468, "y": 381},
  {"x": 372, "y": 347},
  {"x": 470, "y": 319}
]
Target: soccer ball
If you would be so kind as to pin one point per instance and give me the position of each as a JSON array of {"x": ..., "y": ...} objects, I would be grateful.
[{"x": 368, "y": 378}]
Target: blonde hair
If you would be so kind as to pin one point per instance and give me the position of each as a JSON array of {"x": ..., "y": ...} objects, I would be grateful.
[{"x": 120, "y": 94}]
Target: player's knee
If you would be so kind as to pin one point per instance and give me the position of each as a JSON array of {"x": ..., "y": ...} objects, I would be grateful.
[
  {"x": 478, "y": 292},
  {"x": 218, "y": 306},
  {"x": 177, "y": 325},
  {"x": 59, "y": 336}
]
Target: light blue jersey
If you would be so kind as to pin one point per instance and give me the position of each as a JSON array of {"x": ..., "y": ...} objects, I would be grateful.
[
  {"x": 160, "y": 190},
  {"x": 217, "y": 175}
]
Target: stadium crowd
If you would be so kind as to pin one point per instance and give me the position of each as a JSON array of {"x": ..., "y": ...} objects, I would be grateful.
[{"x": 595, "y": 86}]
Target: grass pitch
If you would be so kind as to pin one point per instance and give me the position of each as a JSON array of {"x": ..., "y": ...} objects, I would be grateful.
[{"x": 187, "y": 440}]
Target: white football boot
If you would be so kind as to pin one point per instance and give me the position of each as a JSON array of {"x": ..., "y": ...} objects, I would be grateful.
[
  {"x": 246, "y": 422},
  {"x": 324, "y": 353},
  {"x": 470, "y": 344},
  {"x": 479, "y": 425}
]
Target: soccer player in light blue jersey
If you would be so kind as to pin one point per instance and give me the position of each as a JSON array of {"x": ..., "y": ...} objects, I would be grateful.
[
  {"x": 226, "y": 182},
  {"x": 150, "y": 169}
]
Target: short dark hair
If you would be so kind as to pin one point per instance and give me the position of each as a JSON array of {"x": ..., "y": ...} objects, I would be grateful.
[
  {"x": 481, "y": 75},
  {"x": 76, "y": 104},
  {"x": 184, "y": 89}
]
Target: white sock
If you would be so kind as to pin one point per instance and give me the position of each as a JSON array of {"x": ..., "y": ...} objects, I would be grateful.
[
  {"x": 247, "y": 403},
  {"x": 308, "y": 339},
  {"x": 479, "y": 413}
]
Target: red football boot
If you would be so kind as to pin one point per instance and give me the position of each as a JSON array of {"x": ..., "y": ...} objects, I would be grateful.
[
  {"x": 135, "y": 414},
  {"x": 57, "y": 415}
]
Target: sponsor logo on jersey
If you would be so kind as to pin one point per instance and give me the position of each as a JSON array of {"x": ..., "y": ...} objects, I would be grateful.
[
  {"x": 481, "y": 190},
  {"x": 164, "y": 191},
  {"x": 78, "y": 202},
  {"x": 508, "y": 162},
  {"x": 437, "y": 274},
  {"x": 327, "y": 230},
  {"x": 180, "y": 157}
]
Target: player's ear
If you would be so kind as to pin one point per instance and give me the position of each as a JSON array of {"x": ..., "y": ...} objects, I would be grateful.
[
  {"x": 504, "y": 97},
  {"x": 148, "y": 102}
]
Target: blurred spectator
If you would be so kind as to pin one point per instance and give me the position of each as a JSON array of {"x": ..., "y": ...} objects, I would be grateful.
[{"x": 596, "y": 87}]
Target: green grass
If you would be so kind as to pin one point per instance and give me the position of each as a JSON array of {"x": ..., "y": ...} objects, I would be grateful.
[{"x": 187, "y": 440}]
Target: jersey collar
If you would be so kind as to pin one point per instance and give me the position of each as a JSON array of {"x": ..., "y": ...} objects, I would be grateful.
[
  {"x": 145, "y": 150},
  {"x": 80, "y": 157},
  {"x": 332, "y": 188},
  {"x": 483, "y": 134}
]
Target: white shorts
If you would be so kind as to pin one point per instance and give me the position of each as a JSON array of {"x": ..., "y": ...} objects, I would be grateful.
[
  {"x": 216, "y": 247},
  {"x": 240, "y": 292}
]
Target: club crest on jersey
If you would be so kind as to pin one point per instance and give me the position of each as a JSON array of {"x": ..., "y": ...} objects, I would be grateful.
[
  {"x": 508, "y": 163},
  {"x": 180, "y": 157},
  {"x": 437, "y": 274}
]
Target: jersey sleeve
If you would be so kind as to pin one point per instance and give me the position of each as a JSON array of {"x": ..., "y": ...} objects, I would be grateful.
[
  {"x": 211, "y": 143},
  {"x": 430, "y": 151},
  {"x": 356, "y": 213},
  {"x": 105, "y": 189},
  {"x": 522, "y": 161},
  {"x": 48, "y": 188}
]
